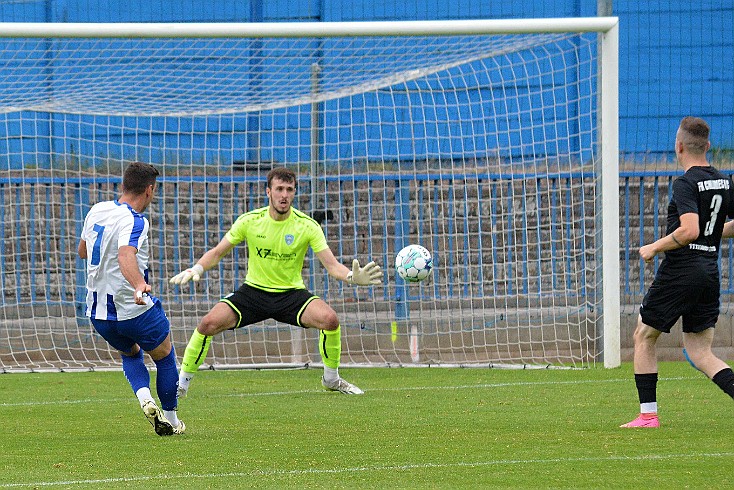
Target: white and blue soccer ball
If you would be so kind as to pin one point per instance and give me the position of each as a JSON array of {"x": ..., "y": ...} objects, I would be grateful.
[{"x": 413, "y": 263}]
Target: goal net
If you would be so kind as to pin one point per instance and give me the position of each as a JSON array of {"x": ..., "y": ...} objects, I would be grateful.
[{"x": 480, "y": 140}]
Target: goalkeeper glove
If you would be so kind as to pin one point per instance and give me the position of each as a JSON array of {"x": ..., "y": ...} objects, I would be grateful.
[
  {"x": 193, "y": 274},
  {"x": 364, "y": 276}
]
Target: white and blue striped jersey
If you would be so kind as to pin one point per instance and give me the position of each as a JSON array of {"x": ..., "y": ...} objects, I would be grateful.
[{"x": 108, "y": 226}]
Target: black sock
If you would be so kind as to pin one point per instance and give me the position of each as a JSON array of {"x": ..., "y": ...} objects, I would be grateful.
[
  {"x": 647, "y": 387},
  {"x": 724, "y": 379}
]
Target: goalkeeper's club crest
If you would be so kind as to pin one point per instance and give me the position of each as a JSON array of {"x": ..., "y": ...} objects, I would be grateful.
[{"x": 289, "y": 239}]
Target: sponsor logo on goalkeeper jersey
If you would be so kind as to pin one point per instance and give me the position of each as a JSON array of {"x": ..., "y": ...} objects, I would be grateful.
[{"x": 267, "y": 253}]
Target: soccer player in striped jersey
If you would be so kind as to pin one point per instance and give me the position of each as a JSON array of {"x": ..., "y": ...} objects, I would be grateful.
[
  {"x": 278, "y": 237},
  {"x": 114, "y": 243},
  {"x": 686, "y": 284}
]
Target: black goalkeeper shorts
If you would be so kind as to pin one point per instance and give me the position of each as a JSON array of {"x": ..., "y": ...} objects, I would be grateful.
[{"x": 253, "y": 305}]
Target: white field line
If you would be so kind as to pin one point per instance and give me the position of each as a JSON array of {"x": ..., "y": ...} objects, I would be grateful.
[
  {"x": 375, "y": 390},
  {"x": 375, "y": 468}
]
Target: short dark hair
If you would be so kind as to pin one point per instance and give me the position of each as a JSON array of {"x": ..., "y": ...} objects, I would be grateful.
[
  {"x": 137, "y": 177},
  {"x": 694, "y": 134},
  {"x": 284, "y": 174}
]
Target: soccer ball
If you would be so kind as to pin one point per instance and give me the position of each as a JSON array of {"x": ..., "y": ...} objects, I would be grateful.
[{"x": 413, "y": 263}]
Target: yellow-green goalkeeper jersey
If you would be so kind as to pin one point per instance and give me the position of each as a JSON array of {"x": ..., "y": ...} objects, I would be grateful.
[{"x": 276, "y": 249}]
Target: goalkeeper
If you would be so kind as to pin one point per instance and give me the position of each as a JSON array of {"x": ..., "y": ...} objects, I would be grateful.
[{"x": 278, "y": 237}]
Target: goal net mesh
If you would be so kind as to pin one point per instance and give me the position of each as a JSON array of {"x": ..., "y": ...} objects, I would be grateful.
[{"x": 482, "y": 148}]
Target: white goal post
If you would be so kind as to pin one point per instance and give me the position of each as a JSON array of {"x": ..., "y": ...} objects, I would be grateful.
[{"x": 493, "y": 143}]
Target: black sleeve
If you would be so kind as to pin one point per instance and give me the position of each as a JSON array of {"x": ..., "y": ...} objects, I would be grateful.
[{"x": 685, "y": 195}]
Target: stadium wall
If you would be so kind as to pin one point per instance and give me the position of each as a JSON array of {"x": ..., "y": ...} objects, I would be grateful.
[{"x": 668, "y": 68}]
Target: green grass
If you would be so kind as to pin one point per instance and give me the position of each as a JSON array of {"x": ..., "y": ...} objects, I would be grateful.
[{"x": 414, "y": 428}]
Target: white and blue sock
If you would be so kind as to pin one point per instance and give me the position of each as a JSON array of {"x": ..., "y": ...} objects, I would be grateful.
[{"x": 137, "y": 374}]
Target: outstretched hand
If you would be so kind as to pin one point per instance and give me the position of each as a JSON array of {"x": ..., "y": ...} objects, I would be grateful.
[
  {"x": 192, "y": 274},
  {"x": 370, "y": 274}
]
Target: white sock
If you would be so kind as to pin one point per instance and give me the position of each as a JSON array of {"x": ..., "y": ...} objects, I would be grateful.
[
  {"x": 650, "y": 407},
  {"x": 172, "y": 416},
  {"x": 184, "y": 379},
  {"x": 143, "y": 395},
  {"x": 331, "y": 374}
]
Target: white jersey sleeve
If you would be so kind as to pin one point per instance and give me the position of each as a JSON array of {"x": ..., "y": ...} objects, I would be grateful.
[{"x": 108, "y": 226}]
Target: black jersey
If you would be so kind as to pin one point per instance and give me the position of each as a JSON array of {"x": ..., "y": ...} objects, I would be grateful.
[{"x": 708, "y": 193}]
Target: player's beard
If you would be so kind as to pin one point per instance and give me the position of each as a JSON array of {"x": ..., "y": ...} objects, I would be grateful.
[{"x": 282, "y": 212}]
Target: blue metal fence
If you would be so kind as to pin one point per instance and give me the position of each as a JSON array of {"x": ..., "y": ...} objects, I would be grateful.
[
  {"x": 41, "y": 219},
  {"x": 644, "y": 196}
]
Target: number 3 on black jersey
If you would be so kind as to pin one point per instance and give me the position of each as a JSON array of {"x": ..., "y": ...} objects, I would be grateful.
[{"x": 715, "y": 207}]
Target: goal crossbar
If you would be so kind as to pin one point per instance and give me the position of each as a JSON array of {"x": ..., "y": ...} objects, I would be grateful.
[{"x": 306, "y": 29}]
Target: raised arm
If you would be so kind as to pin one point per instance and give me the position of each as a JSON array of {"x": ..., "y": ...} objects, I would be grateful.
[
  {"x": 370, "y": 274},
  {"x": 210, "y": 258}
]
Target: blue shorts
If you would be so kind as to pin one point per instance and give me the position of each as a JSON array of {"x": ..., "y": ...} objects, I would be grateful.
[{"x": 148, "y": 330}]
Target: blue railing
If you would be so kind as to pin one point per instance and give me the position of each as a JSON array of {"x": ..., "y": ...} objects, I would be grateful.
[
  {"x": 641, "y": 191},
  {"x": 41, "y": 219}
]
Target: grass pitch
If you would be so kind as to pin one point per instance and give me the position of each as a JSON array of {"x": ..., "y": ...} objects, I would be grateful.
[{"x": 413, "y": 428}]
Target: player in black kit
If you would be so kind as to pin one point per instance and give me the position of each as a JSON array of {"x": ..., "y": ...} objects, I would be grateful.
[{"x": 687, "y": 282}]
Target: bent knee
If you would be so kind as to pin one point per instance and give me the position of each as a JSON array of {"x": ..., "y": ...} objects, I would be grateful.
[
  {"x": 319, "y": 315},
  {"x": 645, "y": 333},
  {"x": 213, "y": 324},
  {"x": 699, "y": 355},
  {"x": 329, "y": 321}
]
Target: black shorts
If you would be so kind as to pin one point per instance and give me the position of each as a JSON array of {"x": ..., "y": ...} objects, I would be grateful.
[
  {"x": 688, "y": 289},
  {"x": 253, "y": 305}
]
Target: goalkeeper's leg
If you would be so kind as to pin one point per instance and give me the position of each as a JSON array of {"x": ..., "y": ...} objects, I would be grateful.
[
  {"x": 320, "y": 315},
  {"x": 193, "y": 357},
  {"x": 220, "y": 318},
  {"x": 317, "y": 314},
  {"x": 330, "y": 347}
]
